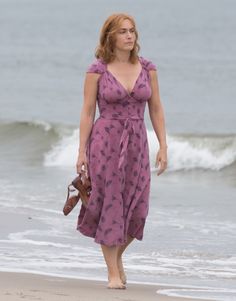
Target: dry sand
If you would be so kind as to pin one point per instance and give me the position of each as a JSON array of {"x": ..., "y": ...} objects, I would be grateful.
[{"x": 24, "y": 286}]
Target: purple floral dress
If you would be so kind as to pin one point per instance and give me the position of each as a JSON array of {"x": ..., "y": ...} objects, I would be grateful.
[{"x": 118, "y": 160}]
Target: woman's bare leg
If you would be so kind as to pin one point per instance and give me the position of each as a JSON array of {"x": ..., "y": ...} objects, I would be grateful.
[
  {"x": 121, "y": 250},
  {"x": 110, "y": 255}
]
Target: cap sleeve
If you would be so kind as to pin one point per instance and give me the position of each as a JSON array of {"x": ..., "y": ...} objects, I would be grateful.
[
  {"x": 96, "y": 67},
  {"x": 149, "y": 65}
]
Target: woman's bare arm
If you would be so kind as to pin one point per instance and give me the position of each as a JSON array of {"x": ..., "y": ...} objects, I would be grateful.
[
  {"x": 156, "y": 111},
  {"x": 88, "y": 109}
]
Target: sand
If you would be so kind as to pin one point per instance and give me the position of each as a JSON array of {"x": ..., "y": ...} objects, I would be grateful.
[{"x": 25, "y": 286}]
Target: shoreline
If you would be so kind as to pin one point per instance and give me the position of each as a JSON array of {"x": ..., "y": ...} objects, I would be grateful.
[{"x": 17, "y": 285}]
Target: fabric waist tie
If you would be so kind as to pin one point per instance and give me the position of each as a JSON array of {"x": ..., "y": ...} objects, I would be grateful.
[{"x": 129, "y": 128}]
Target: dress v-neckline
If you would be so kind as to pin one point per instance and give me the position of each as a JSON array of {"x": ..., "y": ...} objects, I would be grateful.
[{"x": 128, "y": 92}]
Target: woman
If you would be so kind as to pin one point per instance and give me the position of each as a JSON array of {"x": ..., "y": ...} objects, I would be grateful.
[{"x": 114, "y": 150}]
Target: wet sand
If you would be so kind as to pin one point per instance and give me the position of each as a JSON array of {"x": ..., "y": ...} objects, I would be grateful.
[{"x": 24, "y": 286}]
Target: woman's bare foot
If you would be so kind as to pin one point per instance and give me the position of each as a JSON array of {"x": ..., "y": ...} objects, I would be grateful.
[
  {"x": 115, "y": 283},
  {"x": 121, "y": 271}
]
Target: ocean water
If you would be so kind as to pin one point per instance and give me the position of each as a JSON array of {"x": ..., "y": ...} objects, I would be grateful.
[{"x": 189, "y": 235}]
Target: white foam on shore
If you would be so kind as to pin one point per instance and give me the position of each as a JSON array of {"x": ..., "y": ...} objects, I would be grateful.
[
  {"x": 188, "y": 263},
  {"x": 219, "y": 294}
]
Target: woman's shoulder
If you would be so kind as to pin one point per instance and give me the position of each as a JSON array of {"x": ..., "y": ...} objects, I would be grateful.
[
  {"x": 97, "y": 66},
  {"x": 147, "y": 64}
]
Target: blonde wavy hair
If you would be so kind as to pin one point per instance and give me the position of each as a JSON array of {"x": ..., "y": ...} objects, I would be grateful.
[{"x": 107, "y": 38}]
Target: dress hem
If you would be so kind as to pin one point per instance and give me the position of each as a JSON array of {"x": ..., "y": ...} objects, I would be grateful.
[{"x": 100, "y": 241}]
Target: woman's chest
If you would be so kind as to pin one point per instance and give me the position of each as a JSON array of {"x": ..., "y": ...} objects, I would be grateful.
[{"x": 112, "y": 90}]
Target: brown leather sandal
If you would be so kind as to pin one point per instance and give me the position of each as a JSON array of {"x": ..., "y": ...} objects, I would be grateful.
[
  {"x": 70, "y": 204},
  {"x": 83, "y": 185}
]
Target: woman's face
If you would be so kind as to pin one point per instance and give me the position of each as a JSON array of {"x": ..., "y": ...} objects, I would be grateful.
[{"x": 125, "y": 36}]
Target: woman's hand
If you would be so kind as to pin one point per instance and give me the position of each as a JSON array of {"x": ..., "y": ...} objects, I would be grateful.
[
  {"x": 161, "y": 159},
  {"x": 82, "y": 161}
]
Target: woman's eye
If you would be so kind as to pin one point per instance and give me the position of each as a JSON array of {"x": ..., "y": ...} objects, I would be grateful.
[{"x": 124, "y": 31}]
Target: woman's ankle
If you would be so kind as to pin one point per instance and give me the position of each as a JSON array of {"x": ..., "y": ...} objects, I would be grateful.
[{"x": 114, "y": 272}]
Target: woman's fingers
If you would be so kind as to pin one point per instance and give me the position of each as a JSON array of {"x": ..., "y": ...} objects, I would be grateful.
[
  {"x": 86, "y": 169},
  {"x": 82, "y": 166},
  {"x": 79, "y": 165},
  {"x": 160, "y": 170},
  {"x": 162, "y": 163}
]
